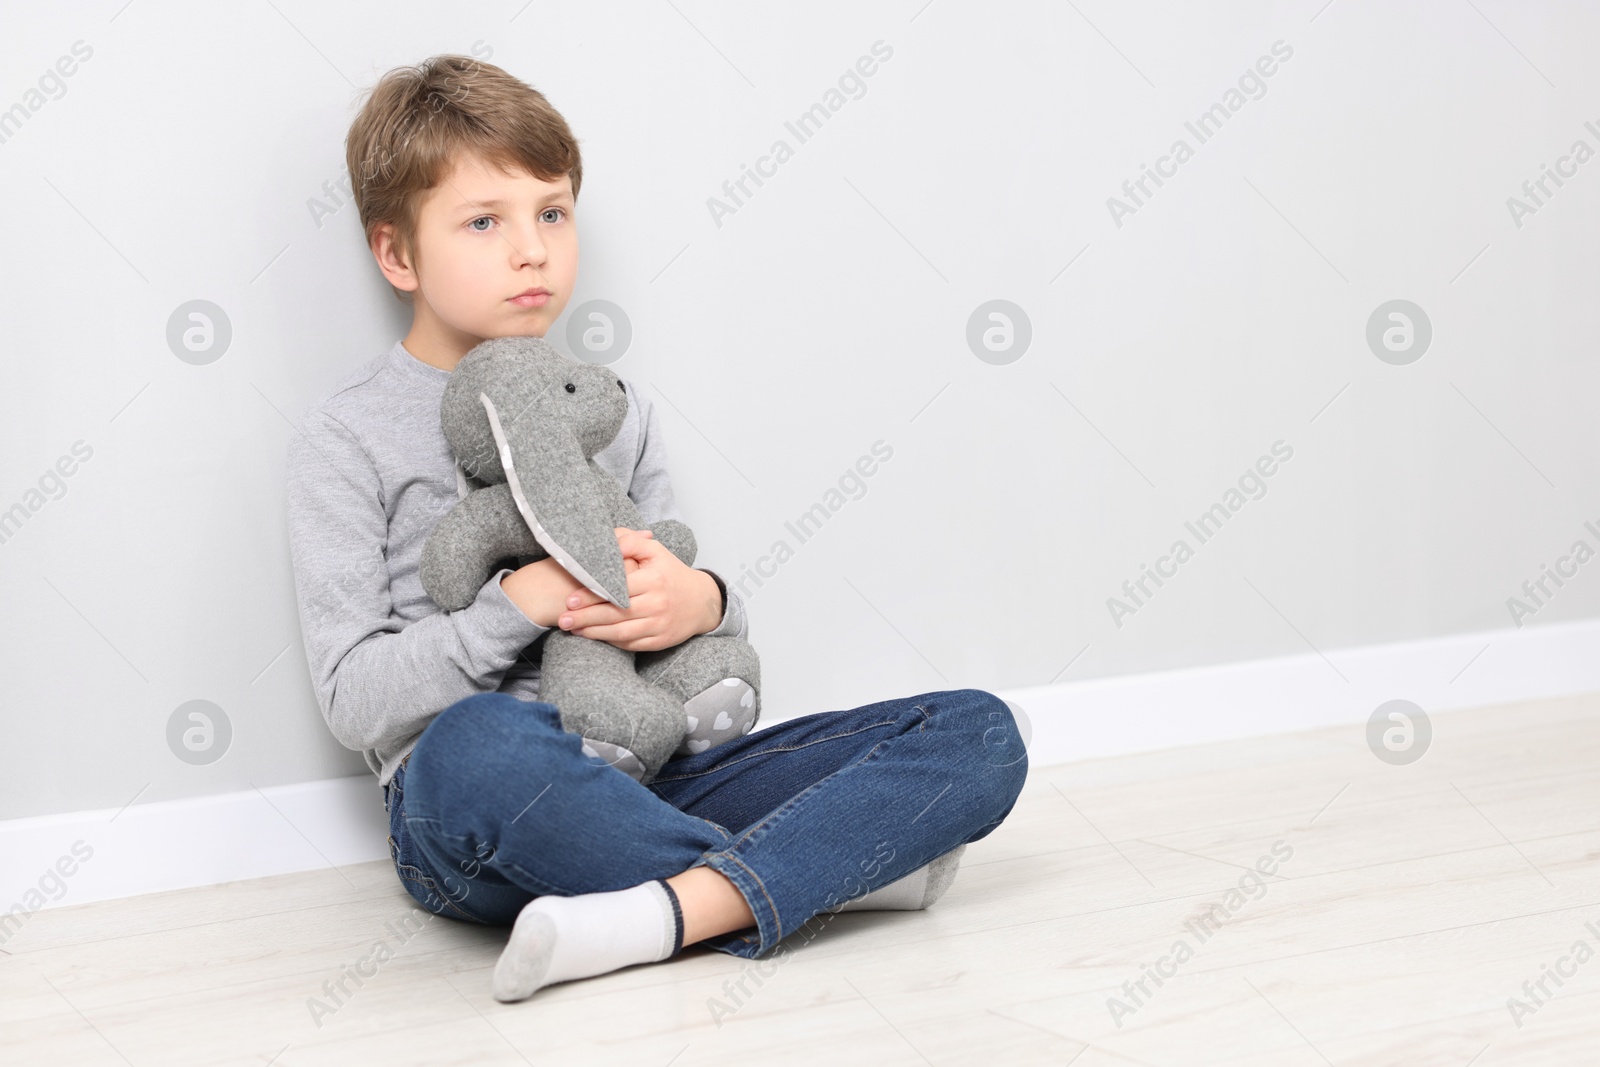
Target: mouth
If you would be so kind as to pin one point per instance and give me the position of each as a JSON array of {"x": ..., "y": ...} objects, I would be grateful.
[{"x": 537, "y": 297}]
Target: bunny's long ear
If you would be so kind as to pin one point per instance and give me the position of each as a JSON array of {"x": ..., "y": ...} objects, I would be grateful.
[{"x": 550, "y": 484}]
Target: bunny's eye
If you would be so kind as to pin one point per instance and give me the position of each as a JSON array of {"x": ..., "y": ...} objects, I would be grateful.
[
  {"x": 621, "y": 386},
  {"x": 571, "y": 388}
]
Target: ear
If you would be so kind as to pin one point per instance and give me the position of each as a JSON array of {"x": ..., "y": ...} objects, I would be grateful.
[{"x": 551, "y": 482}]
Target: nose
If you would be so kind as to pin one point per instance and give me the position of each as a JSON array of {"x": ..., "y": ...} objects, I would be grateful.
[{"x": 528, "y": 247}]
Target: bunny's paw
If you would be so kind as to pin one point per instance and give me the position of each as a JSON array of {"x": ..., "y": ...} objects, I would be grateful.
[
  {"x": 720, "y": 713},
  {"x": 617, "y": 756}
]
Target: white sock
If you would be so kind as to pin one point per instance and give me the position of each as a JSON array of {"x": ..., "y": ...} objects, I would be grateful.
[
  {"x": 916, "y": 890},
  {"x": 557, "y": 939}
]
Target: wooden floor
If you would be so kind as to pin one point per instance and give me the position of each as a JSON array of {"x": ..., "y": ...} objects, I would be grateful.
[{"x": 1416, "y": 902}]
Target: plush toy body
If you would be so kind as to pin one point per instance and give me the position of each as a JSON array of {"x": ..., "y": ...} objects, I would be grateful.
[{"x": 525, "y": 422}]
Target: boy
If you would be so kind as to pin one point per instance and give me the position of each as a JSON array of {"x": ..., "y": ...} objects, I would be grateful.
[{"x": 467, "y": 180}]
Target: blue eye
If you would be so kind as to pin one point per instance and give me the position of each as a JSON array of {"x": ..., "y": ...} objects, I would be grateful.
[
  {"x": 558, "y": 212},
  {"x": 480, "y": 218}
]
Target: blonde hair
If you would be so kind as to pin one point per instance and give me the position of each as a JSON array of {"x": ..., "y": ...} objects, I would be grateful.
[{"x": 419, "y": 120}]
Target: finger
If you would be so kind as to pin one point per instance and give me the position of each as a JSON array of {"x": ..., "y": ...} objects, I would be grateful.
[
  {"x": 601, "y": 614},
  {"x": 644, "y": 581},
  {"x": 584, "y": 597},
  {"x": 620, "y": 633},
  {"x": 631, "y": 544},
  {"x": 639, "y": 580},
  {"x": 580, "y": 600},
  {"x": 588, "y": 609},
  {"x": 644, "y": 608},
  {"x": 642, "y": 549},
  {"x": 634, "y": 635}
]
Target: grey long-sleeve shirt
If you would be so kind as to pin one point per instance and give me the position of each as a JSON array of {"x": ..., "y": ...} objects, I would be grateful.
[{"x": 369, "y": 474}]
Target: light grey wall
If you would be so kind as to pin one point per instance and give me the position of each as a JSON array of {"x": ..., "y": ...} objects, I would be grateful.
[{"x": 828, "y": 311}]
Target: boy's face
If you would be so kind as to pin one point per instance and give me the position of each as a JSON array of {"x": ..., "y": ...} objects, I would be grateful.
[{"x": 484, "y": 239}]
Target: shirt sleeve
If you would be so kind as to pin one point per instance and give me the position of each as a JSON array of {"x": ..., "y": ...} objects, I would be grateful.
[
  {"x": 651, "y": 492},
  {"x": 379, "y": 680}
]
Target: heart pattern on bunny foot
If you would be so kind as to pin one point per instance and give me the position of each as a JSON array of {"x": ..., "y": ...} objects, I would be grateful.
[{"x": 720, "y": 713}]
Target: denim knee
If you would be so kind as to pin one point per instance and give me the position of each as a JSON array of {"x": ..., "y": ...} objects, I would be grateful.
[
  {"x": 1000, "y": 755},
  {"x": 478, "y": 732}
]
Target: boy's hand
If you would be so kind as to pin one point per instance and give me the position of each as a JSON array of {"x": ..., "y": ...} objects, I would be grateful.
[{"x": 668, "y": 601}]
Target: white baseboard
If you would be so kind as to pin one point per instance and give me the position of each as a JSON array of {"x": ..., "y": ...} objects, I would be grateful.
[
  {"x": 196, "y": 841},
  {"x": 1168, "y": 709},
  {"x": 177, "y": 844}
]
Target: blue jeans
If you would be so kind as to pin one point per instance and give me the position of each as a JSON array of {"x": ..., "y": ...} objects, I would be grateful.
[{"x": 497, "y": 804}]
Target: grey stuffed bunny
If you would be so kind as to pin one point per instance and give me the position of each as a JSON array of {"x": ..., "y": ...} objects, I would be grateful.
[{"x": 525, "y": 422}]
